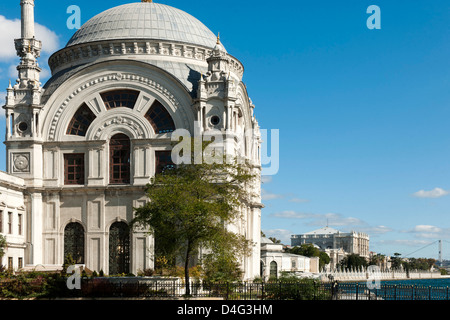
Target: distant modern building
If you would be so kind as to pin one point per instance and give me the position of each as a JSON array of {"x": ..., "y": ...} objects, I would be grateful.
[
  {"x": 337, "y": 244},
  {"x": 274, "y": 261}
]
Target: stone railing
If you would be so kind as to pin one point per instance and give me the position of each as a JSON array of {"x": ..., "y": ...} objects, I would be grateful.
[{"x": 365, "y": 274}]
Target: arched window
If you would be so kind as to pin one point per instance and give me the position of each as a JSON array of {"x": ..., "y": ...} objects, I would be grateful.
[
  {"x": 119, "y": 248},
  {"x": 273, "y": 269},
  {"x": 120, "y": 98},
  {"x": 119, "y": 160},
  {"x": 159, "y": 118},
  {"x": 81, "y": 121},
  {"x": 74, "y": 242}
]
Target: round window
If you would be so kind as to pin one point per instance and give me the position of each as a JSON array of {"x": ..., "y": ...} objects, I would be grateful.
[
  {"x": 23, "y": 126},
  {"x": 215, "y": 120}
]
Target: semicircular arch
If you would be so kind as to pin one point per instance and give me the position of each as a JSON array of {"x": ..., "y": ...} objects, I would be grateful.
[{"x": 86, "y": 85}]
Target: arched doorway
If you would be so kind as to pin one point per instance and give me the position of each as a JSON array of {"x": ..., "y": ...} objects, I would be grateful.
[
  {"x": 273, "y": 270},
  {"x": 119, "y": 248},
  {"x": 74, "y": 242}
]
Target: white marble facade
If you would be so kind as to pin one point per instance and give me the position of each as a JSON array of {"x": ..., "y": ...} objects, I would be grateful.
[{"x": 118, "y": 89}]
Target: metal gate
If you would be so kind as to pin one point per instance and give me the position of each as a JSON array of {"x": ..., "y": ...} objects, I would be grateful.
[
  {"x": 74, "y": 242},
  {"x": 119, "y": 248}
]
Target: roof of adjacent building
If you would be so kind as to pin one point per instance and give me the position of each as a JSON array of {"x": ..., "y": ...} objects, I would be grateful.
[
  {"x": 324, "y": 230},
  {"x": 145, "y": 20}
]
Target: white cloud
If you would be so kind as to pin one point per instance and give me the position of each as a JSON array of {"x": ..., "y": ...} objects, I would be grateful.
[
  {"x": 435, "y": 193},
  {"x": 330, "y": 219},
  {"x": 298, "y": 200},
  {"x": 427, "y": 229},
  {"x": 12, "y": 71},
  {"x": 430, "y": 232},
  {"x": 50, "y": 40},
  {"x": 266, "y": 195},
  {"x": 2, "y": 100},
  {"x": 280, "y": 234},
  {"x": 294, "y": 215},
  {"x": 405, "y": 242},
  {"x": 377, "y": 230},
  {"x": 266, "y": 179}
]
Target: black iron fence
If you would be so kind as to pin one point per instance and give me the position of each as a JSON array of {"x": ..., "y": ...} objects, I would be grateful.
[
  {"x": 360, "y": 291},
  {"x": 147, "y": 288},
  {"x": 301, "y": 290}
]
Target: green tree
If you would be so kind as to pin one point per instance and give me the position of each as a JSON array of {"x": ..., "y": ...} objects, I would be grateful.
[
  {"x": 275, "y": 240},
  {"x": 3, "y": 245},
  {"x": 191, "y": 206},
  {"x": 377, "y": 259},
  {"x": 309, "y": 250},
  {"x": 396, "y": 261},
  {"x": 221, "y": 265},
  {"x": 68, "y": 261},
  {"x": 353, "y": 261},
  {"x": 418, "y": 264}
]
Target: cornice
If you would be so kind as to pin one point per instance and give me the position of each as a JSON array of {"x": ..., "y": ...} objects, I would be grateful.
[{"x": 84, "y": 53}]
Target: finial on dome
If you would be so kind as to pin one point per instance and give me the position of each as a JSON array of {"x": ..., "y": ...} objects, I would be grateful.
[
  {"x": 147, "y": 1},
  {"x": 218, "y": 38}
]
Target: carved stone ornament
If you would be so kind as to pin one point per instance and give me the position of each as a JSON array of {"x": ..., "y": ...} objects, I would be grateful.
[
  {"x": 21, "y": 162},
  {"x": 128, "y": 77}
]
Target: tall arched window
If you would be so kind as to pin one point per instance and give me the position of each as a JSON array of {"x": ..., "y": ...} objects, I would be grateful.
[
  {"x": 119, "y": 160},
  {"x": 159, "y": 118},
  {"x": 81, "y": 121},
  {"x": 119, "y": 248},
  {"x": 273, "y": 269},
  {"x": 74, "y": 242}
]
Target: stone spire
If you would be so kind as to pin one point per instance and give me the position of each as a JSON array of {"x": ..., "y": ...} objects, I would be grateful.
[
  {"x": 218, "y": 63},
  {"x": 28, "y": 48}
]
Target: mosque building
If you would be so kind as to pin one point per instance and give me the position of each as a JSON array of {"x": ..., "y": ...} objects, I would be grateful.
[{"x": 82, "y": 147}]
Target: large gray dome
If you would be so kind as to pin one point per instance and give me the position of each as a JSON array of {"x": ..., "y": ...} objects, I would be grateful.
[{"x": 145, "y": 20}]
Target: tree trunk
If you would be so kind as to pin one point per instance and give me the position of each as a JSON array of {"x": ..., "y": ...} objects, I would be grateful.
[{"x": 186, "y": 269}]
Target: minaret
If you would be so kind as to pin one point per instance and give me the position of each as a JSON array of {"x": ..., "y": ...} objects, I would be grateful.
[
  {"x": 23, "y": 104},
  {"x": 24, "y": 98},
  {"x": 23, "y": 138},
  {"x": 28, "y": 48}
]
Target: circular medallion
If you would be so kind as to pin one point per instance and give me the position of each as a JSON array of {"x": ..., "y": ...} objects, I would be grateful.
[{"x": 21, "y": 162}]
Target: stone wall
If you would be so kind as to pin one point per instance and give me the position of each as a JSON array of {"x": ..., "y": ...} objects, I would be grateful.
[{"x": 372, "y": 274}]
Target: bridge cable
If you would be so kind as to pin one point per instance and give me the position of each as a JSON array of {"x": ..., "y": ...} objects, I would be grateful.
[{"x": 421, "y": 248}]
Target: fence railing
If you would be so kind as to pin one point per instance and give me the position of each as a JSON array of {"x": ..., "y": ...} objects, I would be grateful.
[
  {"x": 359, "y": 291},
  {"x": 175, "y": 289},
  {"x": 256, "y": 290}
]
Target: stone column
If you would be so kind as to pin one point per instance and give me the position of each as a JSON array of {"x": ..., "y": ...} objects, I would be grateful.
[{"x": 36, "y": 228}]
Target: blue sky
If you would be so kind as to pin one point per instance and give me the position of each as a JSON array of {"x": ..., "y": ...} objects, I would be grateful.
[{"x": 363, "y": 114}]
